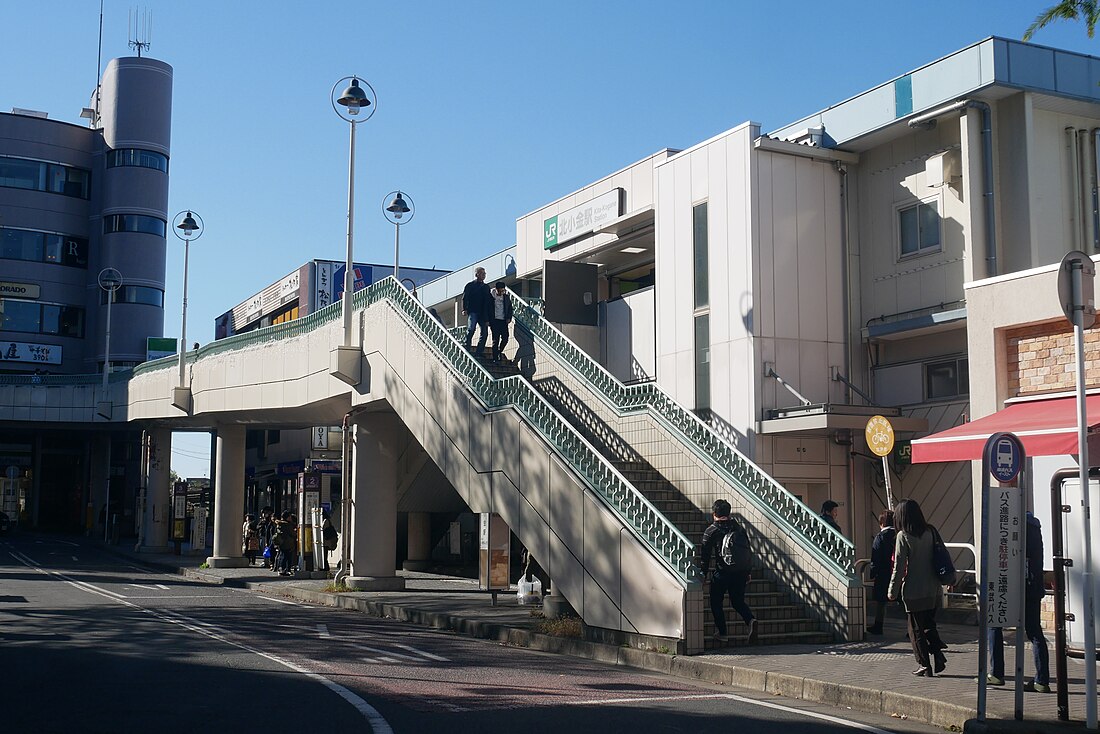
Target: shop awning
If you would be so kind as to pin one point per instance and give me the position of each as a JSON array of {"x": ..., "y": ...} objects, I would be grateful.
[{"x": 1046, "y": 428}]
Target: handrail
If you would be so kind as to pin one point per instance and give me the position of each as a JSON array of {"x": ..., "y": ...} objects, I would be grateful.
[
  {"x": 639, "y": 514},
  {"x": 834, "y": 550}
]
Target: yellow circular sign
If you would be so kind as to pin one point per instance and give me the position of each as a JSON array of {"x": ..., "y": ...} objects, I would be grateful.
[{"x": 880, "y": 435}]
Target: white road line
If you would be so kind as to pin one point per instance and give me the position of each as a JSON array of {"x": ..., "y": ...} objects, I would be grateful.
[
  {"x": 381, "y": 659},
  {"x": 421, "y": 653},
  {"x": 742, "y": 699},
  {"x": 178, "y": 596},
  {"x": 161, "y": 586},
  {"x": 390, "y": 652},
  {"x": 378, "y": 723},
  {"x": 281, "y": 601},
  {"x": 322, "y": 631},
  {"x": 143, "y": 586},
  {"x": 75, "y": 559}
]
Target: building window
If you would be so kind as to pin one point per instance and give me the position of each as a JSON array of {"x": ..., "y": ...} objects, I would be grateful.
[
  {"x": 32, "y": 317},
  {"x": 701, "y": 258},
  {"x": 22, "y": 173},
  {"x": 135, "y": 294},
  {"x": 134, "y": 223},
  {"x": 43, "y": 247},
  {"x": 947, "y": 379},
  {"x": 919, "y": 228},
  {"x": 702, "y": 362},
  {"x": 137, "y": 157}
]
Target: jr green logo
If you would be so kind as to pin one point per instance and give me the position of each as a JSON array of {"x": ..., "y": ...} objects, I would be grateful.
[{"x": 550, "y": 233}]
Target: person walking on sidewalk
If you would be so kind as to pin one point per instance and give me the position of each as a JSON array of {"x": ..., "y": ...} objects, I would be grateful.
[
  {"x": 250, "y": 538},
  {"x": 916, "y": 583},
  {"x": 1034, "y": 591},
  {"x": 882, "y": 567},
  {"x": 731, "y": 569}
]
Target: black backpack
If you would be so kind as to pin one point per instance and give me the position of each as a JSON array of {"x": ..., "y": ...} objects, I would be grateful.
[{"x": 734, "y": 551}]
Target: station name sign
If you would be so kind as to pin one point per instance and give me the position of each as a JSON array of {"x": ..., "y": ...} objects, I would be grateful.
[{"x": 580, "y": 220}]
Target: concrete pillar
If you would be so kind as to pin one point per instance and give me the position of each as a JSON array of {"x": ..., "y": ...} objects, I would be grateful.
[
  {"x": 376, "y": 444},
  {"x": 157, "y": 516},
  {"x": 420, "y": 542},
  {"x": 229, "y": 499}
]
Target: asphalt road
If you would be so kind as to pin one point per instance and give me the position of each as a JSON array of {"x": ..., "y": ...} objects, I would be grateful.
[{"x": 89, "y": 643}]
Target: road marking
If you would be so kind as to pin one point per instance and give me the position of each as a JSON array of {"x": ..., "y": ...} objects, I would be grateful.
[
  {"x": 742, "y": 699},
  {"x": 428, "y": 655},
  {"x": 75, "y": 559},
  {"x": 161, "y": 586},
  {"x": 142, "y": 586},
  {"x": 381, "y": 659},
  {"x": 383, "y": 653},
  {"x": 281, "y": 601},
  {"x": 322, "y": 631},
  {"x": 377, "y": 722}
]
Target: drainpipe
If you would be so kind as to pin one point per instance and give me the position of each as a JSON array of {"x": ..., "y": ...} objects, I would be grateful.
[
  {"x": 1094, "y": 198},
  {"x": 927, "y": 121}
]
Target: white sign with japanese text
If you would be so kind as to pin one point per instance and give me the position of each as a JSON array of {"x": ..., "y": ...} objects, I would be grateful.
[
  {"x": 1005, "y": 556},
  {"x": 26, "y": 352}
]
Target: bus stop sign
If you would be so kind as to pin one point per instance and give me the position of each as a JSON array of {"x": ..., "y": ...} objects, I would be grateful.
[{"x": 1004, "y": 456}]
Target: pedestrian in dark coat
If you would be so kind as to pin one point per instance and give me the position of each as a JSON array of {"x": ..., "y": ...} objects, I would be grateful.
[
  {"x": 725, "y": 579},
  {"x": 882, "y": 567}
]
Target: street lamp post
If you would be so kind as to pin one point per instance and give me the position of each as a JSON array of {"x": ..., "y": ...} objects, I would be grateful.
[
  {"x": 187, "y": 226},
  {"x": 354, "y": 105},
  {"x": 395, "y": 209},
  {"x": 110, "y": 280}
]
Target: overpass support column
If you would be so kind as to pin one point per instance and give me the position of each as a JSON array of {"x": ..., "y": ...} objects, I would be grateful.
[
  {"x": 157, "y": 514},
  {"x": 420, "y": 542},
  {"x": 375, "y": 448},
  {"x": 229, "y": 499}
]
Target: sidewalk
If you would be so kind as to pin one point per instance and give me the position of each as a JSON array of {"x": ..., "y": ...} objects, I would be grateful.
[{"x": 871, "y": 676}]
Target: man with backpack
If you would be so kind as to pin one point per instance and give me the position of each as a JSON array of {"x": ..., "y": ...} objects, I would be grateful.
[{"x": 727, "y": 541}]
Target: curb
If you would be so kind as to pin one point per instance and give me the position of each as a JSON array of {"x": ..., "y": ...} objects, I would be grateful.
[{"x": 936, "y": 713}]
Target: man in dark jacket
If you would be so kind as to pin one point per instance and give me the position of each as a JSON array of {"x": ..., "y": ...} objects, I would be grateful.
[
  {"x": 882, "y": 567},
  {"x": 829, "y": 512},
  {"x": 725, "y": 580},
  {"x": 500, "y": 314},
  {"x": 477, "y": 304}
]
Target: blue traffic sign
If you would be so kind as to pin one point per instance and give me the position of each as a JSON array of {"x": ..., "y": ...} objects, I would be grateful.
[{"x": 1004, "y": 456}]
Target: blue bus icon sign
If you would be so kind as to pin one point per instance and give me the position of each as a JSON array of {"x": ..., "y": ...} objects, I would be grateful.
[{"x": 1004, "y": 455}]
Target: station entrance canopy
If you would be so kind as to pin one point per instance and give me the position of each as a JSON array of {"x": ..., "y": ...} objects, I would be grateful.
[{"x": 1046, "y": 428}]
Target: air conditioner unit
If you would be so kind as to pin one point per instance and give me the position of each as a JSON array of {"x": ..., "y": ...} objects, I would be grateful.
[{"x": 943, "y": 168}]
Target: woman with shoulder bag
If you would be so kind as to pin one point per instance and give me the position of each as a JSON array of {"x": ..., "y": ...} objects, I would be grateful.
[{"x": 916, "y": 582}]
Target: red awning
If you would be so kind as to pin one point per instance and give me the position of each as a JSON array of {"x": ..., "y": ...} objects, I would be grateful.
[{"x": 1046, "y": 428}]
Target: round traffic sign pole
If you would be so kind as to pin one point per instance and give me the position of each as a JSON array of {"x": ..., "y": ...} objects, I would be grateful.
[{"x": 880, "y": 439}]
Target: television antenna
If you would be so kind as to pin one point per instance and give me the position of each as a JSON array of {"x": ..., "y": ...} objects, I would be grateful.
[{"x": 140, "y": 26}]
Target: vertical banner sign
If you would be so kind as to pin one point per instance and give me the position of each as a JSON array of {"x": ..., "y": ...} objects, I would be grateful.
[
  {"x": 179, "y": 510},
  {"x": 320, "y": 437},
  {"x": 1005, "y": 557},
  {"x": 198, "y": 529}
]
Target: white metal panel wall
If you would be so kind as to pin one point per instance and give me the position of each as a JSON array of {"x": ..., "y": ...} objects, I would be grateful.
[{"x": 628, "y": 337}]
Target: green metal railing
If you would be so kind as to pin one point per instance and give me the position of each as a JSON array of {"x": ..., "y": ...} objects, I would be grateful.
[{"x": 750, "y": 481}]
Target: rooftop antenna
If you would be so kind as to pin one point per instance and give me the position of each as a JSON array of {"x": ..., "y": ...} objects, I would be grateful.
[
  {"x": 94, "y": 121},
  {"x": 140, "y": 24}
]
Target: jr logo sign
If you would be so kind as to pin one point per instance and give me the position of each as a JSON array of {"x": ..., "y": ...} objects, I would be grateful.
[{"x": 549, "y": 233}]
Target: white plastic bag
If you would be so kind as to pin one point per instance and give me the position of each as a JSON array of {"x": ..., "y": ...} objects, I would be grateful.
[{"x": 530, "y": 592}]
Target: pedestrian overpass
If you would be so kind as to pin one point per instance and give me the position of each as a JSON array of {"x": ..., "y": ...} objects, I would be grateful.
[{"x": 609, "y": 486}]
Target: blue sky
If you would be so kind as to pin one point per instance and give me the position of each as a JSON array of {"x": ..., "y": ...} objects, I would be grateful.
[{"x": 487, "y": 110}]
